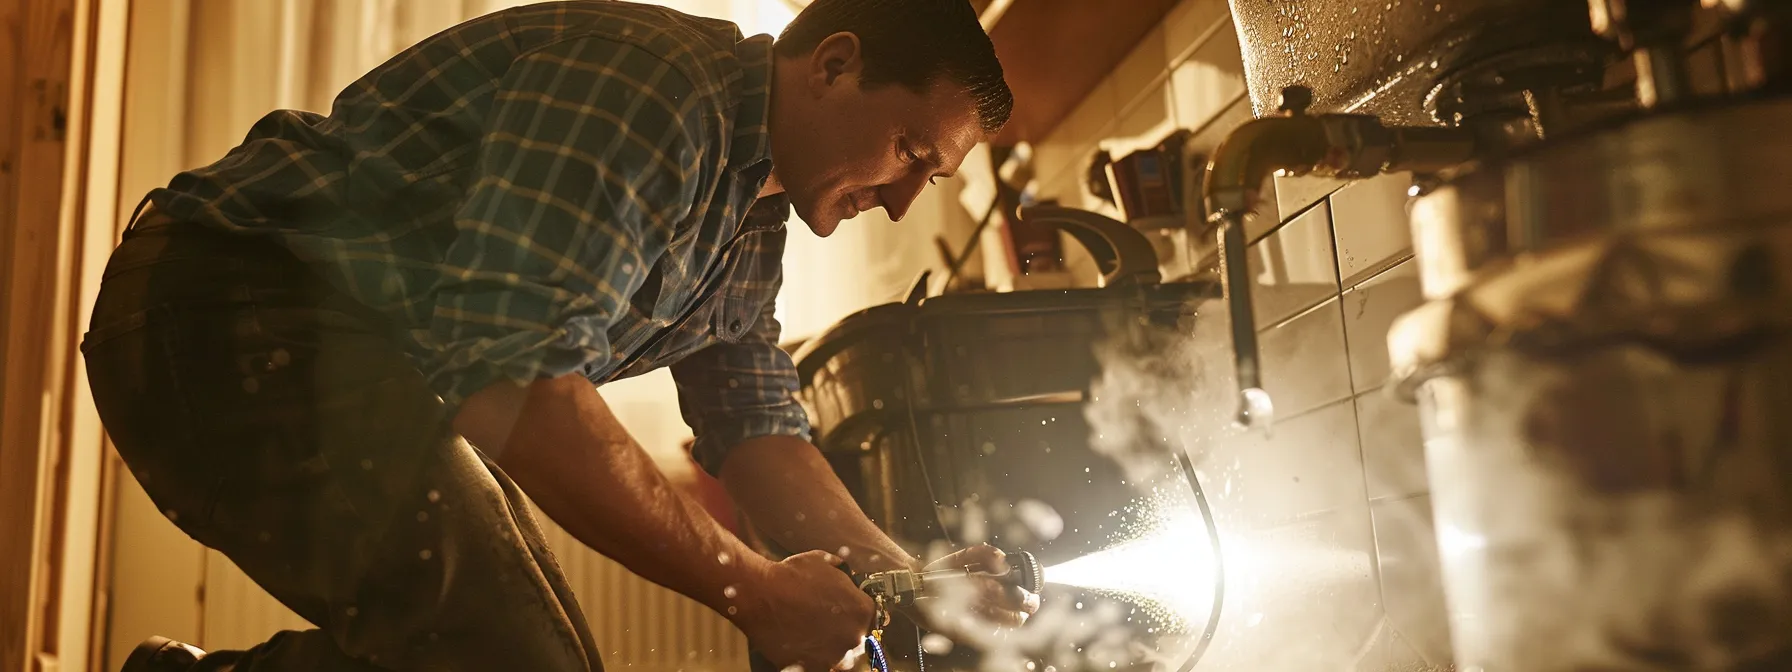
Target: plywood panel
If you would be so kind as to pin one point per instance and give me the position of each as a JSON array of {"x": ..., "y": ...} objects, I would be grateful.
[
  {"x": 36, "y": 287},
  {"x": 83, "y": 449}
]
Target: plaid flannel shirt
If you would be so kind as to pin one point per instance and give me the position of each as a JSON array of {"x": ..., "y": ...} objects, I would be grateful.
[{"x": 553, "y": 188}]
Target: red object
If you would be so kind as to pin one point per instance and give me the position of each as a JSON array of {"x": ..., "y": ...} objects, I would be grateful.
[{"x": 709, "y": 494}]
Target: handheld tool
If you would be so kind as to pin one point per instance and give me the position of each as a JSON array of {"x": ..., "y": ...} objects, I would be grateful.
[{"x": 901, "y": 587}]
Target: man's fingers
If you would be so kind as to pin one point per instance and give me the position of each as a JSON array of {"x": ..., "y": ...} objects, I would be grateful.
[
  {"x": 1003, "y": 617},
  {"x": 1003, "y": 605},
  {"x": 983, "y": 558}
]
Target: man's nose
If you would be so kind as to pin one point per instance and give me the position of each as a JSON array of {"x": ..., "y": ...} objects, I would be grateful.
[{"x": 898, "y": 196}]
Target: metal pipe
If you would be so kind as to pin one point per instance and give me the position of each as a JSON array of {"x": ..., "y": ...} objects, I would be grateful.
[{"x": 1332, "y": 145}]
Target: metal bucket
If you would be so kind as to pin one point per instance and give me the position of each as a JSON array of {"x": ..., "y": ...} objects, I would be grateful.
[{"x": 1604, "y": 373}]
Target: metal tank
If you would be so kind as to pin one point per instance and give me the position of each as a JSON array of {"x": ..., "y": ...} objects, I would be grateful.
[
  {"x": 1388, "y": 58},
  {"x": 1604, "y": 374},
  {"x": 962, "y": 418},
  {"x": 1603, "y": 367}
]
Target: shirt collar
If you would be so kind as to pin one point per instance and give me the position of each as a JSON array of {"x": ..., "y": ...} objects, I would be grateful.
[{"x": 753, "y": 103}]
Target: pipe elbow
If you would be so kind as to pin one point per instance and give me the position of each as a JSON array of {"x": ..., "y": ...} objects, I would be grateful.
[{"x": 1252, "y": 152}]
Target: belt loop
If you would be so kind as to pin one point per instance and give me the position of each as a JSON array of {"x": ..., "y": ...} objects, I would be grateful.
[{"x": 130, "y": 225}]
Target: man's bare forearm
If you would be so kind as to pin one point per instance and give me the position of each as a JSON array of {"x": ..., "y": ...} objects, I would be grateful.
[
  {"x": 791, "y": 494},
  {"x": 559, "y": 441}
]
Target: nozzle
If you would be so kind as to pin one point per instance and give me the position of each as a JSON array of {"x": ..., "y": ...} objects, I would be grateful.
[{"x": 902, "y": 586}]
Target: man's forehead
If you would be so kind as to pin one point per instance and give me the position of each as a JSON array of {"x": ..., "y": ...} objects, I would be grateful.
[{"x": 952, "y": 127}]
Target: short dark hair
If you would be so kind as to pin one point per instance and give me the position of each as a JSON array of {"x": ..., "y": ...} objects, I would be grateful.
[{"x": 914, "y": 43}]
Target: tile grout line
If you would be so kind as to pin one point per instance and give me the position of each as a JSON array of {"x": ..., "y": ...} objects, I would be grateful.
[{"x": 1362, "y": 455}]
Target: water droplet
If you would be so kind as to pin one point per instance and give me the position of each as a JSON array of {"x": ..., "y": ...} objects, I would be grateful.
[
  {"x": 724, "y": 558},
  {"x": 936, "y": 644},
  {"x": 422, "y": 516},
  {"x": 732, "y": 611},
  {"x": 730, "y": 592},
  {"x": 435, "y": 496},
  {"x": 367, "y": 465},
  {"x": 351, "y": 611},
  {"x": 1255, "y": 410},
  {"x": 425, "y": 554}
]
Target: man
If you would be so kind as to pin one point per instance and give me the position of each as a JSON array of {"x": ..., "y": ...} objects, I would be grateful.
[{"x": 329, "y": 354}]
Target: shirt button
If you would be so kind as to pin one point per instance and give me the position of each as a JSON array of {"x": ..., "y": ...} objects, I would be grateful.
[{"x": 734, "y": 326}]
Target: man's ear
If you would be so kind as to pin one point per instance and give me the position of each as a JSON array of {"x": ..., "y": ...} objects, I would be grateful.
[{"x": 836, "y": 56}]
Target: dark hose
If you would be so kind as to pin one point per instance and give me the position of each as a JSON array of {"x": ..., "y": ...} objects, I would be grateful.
[{"x": 1219, "y": 563}]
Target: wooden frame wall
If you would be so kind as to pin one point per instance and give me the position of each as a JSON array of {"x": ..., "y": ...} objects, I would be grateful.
[{"x": 61, "y": 82}]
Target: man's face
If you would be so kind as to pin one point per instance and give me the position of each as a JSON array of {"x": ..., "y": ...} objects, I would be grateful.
[{"x": 845, "y": 148}]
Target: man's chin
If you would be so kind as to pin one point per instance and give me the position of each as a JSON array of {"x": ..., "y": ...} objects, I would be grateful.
[{"x": 822, "y": 226}]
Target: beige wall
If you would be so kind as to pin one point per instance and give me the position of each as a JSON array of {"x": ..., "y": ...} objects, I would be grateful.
[{"x": 1341, "y": 479}]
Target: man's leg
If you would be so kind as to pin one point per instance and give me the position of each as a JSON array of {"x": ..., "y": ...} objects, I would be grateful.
[{"x": 277, "y": 426}]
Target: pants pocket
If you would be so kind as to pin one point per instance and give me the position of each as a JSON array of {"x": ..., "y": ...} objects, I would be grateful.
[{"x": 145, "y": 411}]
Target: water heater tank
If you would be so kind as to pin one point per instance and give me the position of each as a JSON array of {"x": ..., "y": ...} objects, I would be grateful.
[{"x": 1387, "y": 57}]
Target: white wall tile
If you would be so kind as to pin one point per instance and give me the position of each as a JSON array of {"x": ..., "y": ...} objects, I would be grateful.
[
  {"x": 1091, "y": 118},
  {"x": 1411, "y": 580},
  {"x": 1053, "y": 159},
  {"x": 1304, "y": 366},
  {"x": 1309, "y": 464},
  {"x": 1294, "y": 194},
  {"x": 1068, "y": 146},
  {"x": 1292, "y": 269},
  {"x": 1370, "y": 217},
  {"x": 1393, "y": 448},
  {"x": 1369, "y": 311},
  {"x": 1209, "y": 80},
  {"x": 1142, "y": 68},
  {"x": 1147, "y": 122},
  {"x": 1298, "y": 597}
]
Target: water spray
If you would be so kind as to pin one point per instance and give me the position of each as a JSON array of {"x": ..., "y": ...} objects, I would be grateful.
[{"x": 1162, "y": 565}]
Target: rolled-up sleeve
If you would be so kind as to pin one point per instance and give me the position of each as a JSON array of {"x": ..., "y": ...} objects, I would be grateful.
[
  {"x": 588, "y": 160},
  {"x": 732, "y": 392}
]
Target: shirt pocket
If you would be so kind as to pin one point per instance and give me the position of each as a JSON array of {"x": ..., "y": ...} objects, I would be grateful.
[
  {"x": 734, "y": 317},
  {"x": 752, "y": 287}
]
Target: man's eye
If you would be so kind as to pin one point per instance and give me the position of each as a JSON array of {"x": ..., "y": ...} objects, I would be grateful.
[{"x": 911, "y": 156}]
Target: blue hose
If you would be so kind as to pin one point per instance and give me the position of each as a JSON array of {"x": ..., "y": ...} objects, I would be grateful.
[{"x": 876, "y": 650}]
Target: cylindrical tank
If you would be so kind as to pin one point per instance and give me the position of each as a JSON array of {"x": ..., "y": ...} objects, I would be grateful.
[
  {"x": 1604, "y": 376},
  {"x": 1384, "y": 57}
]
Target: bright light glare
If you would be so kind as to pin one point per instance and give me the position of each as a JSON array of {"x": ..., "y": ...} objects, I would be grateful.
[
  {"x": 1454, "y": 541},
  {"x": 1168, "y": 566},
  {"x": 761, "y": 16}
]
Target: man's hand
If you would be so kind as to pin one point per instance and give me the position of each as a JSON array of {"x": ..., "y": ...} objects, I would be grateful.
[
  {"x": 805, "y": 612},
  {"x": 979, "y": 604}
]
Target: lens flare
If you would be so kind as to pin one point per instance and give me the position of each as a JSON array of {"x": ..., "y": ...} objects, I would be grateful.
[{"x": 1165, "y": 566}]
